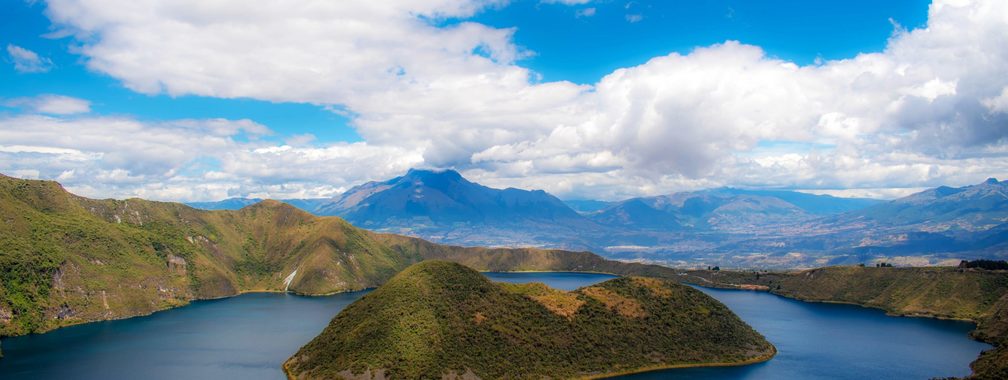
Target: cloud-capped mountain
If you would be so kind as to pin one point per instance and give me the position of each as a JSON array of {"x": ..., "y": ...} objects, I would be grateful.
[
  {"x": 445, "y": 207},
  {"x": 427, "y": 196}
]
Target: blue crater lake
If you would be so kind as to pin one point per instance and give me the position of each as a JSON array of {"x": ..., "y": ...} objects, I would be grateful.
[{"x": 249, "y": 336}]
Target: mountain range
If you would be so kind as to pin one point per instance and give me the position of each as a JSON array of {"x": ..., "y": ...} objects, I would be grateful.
[{"x": 722, "y": 226}]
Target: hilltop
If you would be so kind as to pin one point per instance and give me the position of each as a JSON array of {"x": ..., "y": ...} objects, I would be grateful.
[{"x": 438, "y": 319}]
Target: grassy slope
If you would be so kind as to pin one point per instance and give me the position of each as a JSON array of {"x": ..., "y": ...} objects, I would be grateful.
[
  {"x": 65, "y": 259},
  {"x": 437, "y": 317}
]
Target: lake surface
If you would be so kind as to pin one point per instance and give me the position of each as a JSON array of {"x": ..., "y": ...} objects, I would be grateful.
[
  {"x": 249, "y": 336},
  {"x": 832, "y": 341}
]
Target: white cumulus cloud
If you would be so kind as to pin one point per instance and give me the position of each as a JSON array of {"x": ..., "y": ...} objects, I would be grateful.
[{"x": 926, "y": 110}]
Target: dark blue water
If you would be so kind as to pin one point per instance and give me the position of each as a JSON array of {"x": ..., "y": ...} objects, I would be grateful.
[
  {"x": 831, "y": 341},
  {"x": 249, "y": 336},
  {"x": 244, "y": 337}
]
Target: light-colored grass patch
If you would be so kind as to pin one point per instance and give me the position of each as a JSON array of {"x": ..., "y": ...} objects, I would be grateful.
[{"x": 624, "y": 306}]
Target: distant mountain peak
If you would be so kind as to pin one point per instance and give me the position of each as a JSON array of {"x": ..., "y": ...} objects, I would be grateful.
[
  {"x": 991, "y": 181},
  {"x": 443, "y": 197}
]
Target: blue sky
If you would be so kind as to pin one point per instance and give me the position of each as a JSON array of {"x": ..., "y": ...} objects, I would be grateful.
[
  {"x": 25, "y": 24},
  {"x": 538, "y": 94},
  {"x": 582, "y": 49},
  {"x": 566, "y": 46}
]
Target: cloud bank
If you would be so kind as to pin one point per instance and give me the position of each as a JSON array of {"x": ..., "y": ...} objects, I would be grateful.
[{"x": 427, "y": 88}]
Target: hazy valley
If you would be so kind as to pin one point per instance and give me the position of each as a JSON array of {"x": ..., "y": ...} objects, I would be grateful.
[{"x": 726, "y": 227}]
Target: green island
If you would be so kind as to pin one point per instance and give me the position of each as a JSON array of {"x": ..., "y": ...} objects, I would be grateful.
[
  {"x": 66, "y": 259},
  {"x": 438, "y": 319}
]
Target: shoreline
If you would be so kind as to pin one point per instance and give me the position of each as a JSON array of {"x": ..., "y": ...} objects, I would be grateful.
[
  {"x": 887, "y": 312},
  {"x": 756, "y": 360},
  {"x": 607, "y": 375},
  {"x": 721, "y": 286},
  {"x": 181, "y": 305}
]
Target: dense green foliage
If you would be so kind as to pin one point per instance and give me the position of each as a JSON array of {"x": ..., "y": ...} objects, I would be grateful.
[{"x": 437, "y": 317}]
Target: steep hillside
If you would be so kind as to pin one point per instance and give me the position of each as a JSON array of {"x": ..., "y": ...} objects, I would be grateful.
[
  {"x": 65, "y": 259},
  {"x": 440, "y": 319}
]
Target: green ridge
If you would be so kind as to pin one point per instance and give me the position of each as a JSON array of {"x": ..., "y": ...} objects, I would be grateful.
[
  {"x": 66, "y": 259},
  {"x": 439, "y": 318}
]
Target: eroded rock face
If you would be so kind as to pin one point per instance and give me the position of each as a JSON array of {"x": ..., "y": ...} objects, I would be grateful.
[
  {"x": 5, "y": 315},
  {"x": 177, "y": 264},
  {"x": 63, "y": 312}
]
